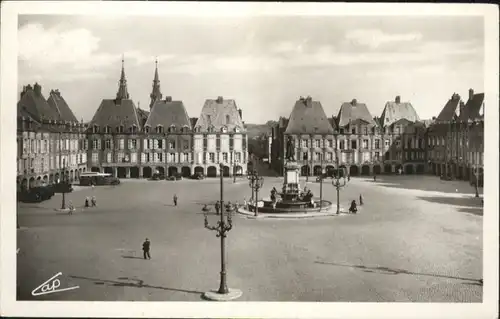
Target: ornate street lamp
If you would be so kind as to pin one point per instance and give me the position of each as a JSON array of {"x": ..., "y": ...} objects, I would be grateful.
[
  {"x": 222, "y": 228},
  {"x": 321, "y": 184},
  {"x": 234, "y": 170},
  {"x": 63, "y": 186},
  {"x": 338, "y": 185},
  {"x": 256, "y": 183}
]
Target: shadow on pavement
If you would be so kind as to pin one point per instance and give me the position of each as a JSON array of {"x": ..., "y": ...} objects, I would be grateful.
[
  {"x": 418, "y": 182},
  {"x": 394, "y": 271},
  {"x": 471, "y": 205},
  {"x": 478, "y": 211},
  {"x": 132, "y": 257},
  {"x": 133, "y": 282}
]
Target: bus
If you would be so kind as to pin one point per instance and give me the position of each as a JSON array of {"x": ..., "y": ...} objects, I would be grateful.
[{"x": 95, "y": 178}]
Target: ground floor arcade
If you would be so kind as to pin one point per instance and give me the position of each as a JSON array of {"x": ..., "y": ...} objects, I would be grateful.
[
  {"x": 26, "y": 182},
  {"x": 364, "y": 170},
  {"x": 147, "y": 171}
]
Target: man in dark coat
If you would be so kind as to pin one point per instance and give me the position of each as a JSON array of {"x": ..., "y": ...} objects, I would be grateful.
[
  {"x": 217, "y": 207},
  {"x": 175, "y": 199},
  {"x": 146, "y": 246},
  {"x": 353, "y": 209}
]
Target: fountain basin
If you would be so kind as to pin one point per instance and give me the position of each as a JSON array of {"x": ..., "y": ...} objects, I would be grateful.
[{"x": 291, "y": 206}]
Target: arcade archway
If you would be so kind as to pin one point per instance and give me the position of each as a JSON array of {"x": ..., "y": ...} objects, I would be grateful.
[{"x": 212, "y": 171}]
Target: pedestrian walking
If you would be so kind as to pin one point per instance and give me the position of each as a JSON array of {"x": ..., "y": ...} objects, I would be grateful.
[
  {"x": 217, "y": 207},
  {"x": 360, "y": 200},
  {"x": 87, "y": 201},
  {"x": 348, "y": 178},
  {"x": 245, "y": 203},
  {"x": 94, "y": 201},
  {"x": 71, "y": 208},
  {"x": 146, "y": 246},
  {"x": 175, "y": 199},
  {"x": 374, "y": 178}
]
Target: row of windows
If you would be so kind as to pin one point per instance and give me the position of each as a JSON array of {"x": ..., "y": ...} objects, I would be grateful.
[
  {"x": 36, "y": 146},
  {"x": 168, "y": 157},
  {"x": 374, "y": 130},
  {"x": 134, "y": 144},
  {"x": 159, "y": 129}
]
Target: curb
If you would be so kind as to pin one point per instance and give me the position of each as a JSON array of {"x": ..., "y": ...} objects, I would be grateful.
[{"x": 250, "y": 215}]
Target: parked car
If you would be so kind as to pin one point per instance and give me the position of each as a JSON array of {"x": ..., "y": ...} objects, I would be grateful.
[
  {"x": 446, "y": 178},
  {"x": 197, "y": 176},
  {"x": 175, "y": 177},
  {"x": 36, "y": 194},
  {"x": 157, "y": 177},
  {"x": 62, "y": 187}
]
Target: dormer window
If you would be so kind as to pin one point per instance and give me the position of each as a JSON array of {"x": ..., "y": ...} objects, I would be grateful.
[
  {"x": 107, "y": 129},
  {"x": 211, "y": 129},
  {"x": 146, "y": 128},
  {"x": 197, "y": 129},
  {"x": 95, "y": 129},
  {"x": 119, "y": 129},
  {"x": 133, "y": 129},
  {"x": 159, "y": 129},
  {"x": 224, "y": 129},
  {"x": 171, "y": 129},
  {"x": 185, "y": 129},
  {"x": 237, "y": 129}
]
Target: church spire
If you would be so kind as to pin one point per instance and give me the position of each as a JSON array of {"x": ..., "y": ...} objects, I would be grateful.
[
  {"x": 122, "y": 88},
  {"x": 156, "y": 93}
]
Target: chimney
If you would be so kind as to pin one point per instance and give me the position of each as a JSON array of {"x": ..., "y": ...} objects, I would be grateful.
[
  {"x": 168, "y": 99},
  {"x": 37, "y": 88},
  {"x": 239, "y": 112},
  {"x": 220, "y": 99},
  {"x": 471, "y": 94},
  {"x": 354, "y": 102},
  {"x": 398, "y": 99}
]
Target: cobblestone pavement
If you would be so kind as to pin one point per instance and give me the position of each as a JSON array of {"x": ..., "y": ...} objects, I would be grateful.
[{"x": 415, "y": 239}]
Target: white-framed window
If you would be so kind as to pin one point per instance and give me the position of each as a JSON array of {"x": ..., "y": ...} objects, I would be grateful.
[
  {"x": 237, "y": 157},
  {"x": 94, "y": 144},
  {"x": 155, "y": 144},
  {"x": 171, "y": 144},
  {"x": 377, "y": 156},
  {"x": 387, "y": 143},
  {"x": 186, "y": 157},
  {"x": 317, "y": 143},
  {"x": 211, "y": 157},
  {"x": 365, "y": 144},
  {"x": 377, "y": 143},
  {"x": 108, "y": 158},
  {"x": 133, "y": 157},
  {"x": 330, "y": 143},
  {"x": 329, "y": 156},
  {"x": 122, "y": 144},
  {"x": 119, "y": 157},
  {"x": 224, "y": 157},
  {"x": 160, "y": 157},
  {"x": 95, "y": 158},
  {"x": 107, "y": 144},
  {"x": 159, "y": 129},
  {"x": 317, "y": 156}
]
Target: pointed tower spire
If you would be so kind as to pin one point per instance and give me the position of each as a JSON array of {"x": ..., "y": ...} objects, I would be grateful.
[
  {"x": 156, "y": 92},
  {"x": 122, "y": 88}
]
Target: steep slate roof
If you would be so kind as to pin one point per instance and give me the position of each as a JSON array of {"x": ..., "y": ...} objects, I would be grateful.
[
  {"x": 308, "y": 117},
  {"x": 351, "y": 111},
  {"x": 193, "y": 121},
  {"x": 450, "y": 109},
  {"x": 115, "y": 113},
  {"x": 472, "y": 107},
  {"x": 58, "y": 104},
  {"x": 395, "y": 110},
  {"x": 33, "y": 103},
  {"x": 142, "y": 115},
  {"x": 167, "y": 113},
  {"x": 333, "y": 122},
  {"x": 214, "y": 114}
]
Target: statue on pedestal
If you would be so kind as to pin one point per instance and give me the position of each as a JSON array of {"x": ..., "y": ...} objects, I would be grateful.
[{"x": 290, "y": 149}]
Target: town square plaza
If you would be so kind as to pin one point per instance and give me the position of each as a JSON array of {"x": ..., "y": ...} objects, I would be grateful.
[{"x": 415, "y": 239}]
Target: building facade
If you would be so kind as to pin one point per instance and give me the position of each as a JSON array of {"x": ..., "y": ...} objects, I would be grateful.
[
  {"x": 50, "y": 141},
  {"x": 456, "y": 138},
  {"x": 131, "y": 143},
  {"x": 219, "y": 137},
  {"x": 362, "y": 144}
]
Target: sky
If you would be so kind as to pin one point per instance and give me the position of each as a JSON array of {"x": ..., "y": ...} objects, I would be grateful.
[{"x": 264, "y": 63}]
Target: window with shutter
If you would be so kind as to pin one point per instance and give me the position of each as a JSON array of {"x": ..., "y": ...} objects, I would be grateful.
[
  {"x": 145, "y": 144},
  {"x": 155, "y": 144},
  {"x": 98, "y": 144},
  {"x": 129, "y": 144}
]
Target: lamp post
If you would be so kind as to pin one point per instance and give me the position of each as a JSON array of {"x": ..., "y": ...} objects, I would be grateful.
[
  {"x": 336, "y": 183},
  {"x": 321, "y": 184},
  {"x": 234, "y": 170},
  {"x": 256, "y": 183},
  {"x": 63, "y": 187},
  {"x": 222, "y": 228}
]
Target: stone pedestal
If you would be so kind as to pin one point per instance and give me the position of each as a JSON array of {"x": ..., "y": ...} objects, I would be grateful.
[{"x": 291, "y": 176}]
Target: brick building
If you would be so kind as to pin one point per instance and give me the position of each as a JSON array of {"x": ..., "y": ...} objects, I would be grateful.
[
  {"x": 132, "y": 143},
  {"x": 456, "y": 138},
  {"x": 363, "y": 144},
  {"x": 219, "y": 137},
  {"x": 50, "y": 141}
]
